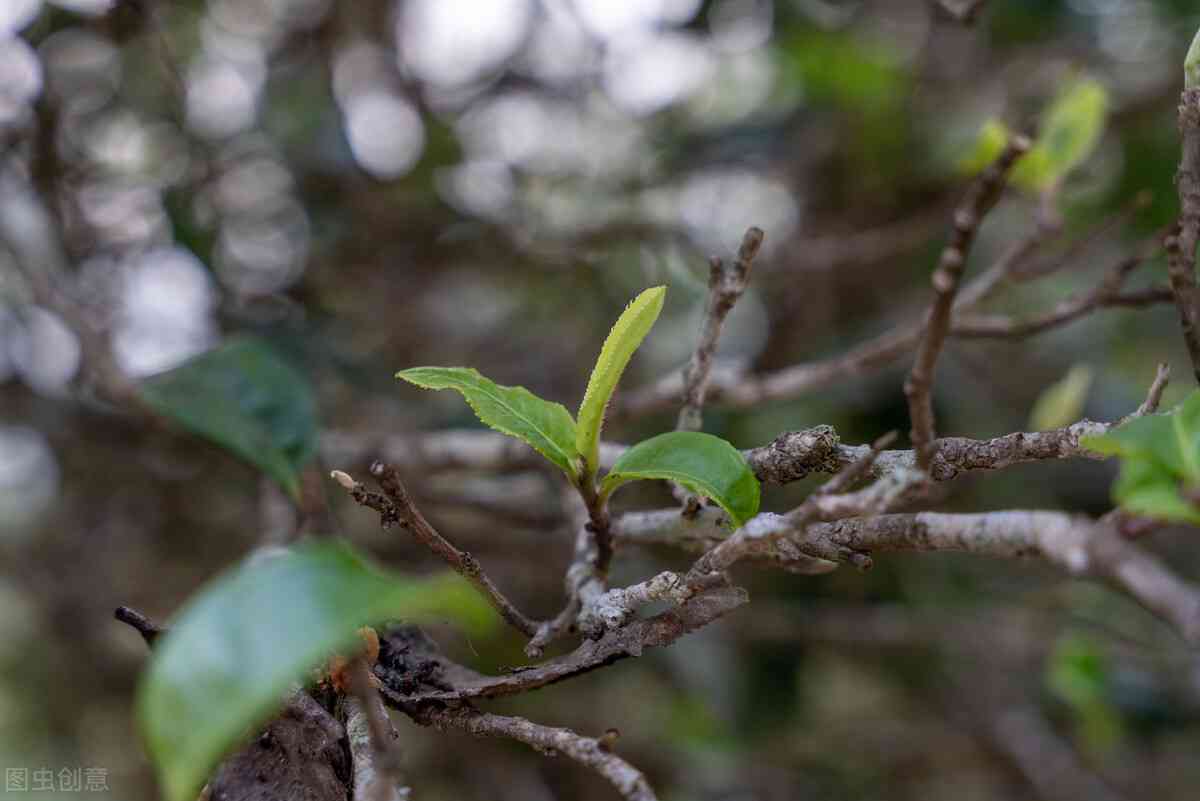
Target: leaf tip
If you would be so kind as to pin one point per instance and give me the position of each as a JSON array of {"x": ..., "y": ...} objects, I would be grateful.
[{"x": 1191, "y": 65}]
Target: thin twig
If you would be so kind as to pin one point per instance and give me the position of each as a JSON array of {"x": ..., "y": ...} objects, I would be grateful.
[
  {"x": 593, "y": 753},
  {"x": 918, "y": 388},
  {"x": 146, "y": 627},
  {"x": 1162, "y": 377},
  {"x": 395, "y": 507},
  {"x": 725, "y": 287},
  {"x": 759, "y": 533},
  {"x": 373, "y": 740}
]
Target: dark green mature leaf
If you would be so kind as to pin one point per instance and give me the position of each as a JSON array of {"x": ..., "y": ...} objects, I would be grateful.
[
  {"x": 705, "y": 464},
  {"x": 1160, "y": 459},
  {"x": 246, "y": 399},
  {"x": 237, "y": 647},
  {"x": 547, "y": 427}
]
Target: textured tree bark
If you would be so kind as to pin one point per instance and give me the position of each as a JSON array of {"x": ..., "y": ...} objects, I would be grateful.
[{"x": 300, "y": 756}]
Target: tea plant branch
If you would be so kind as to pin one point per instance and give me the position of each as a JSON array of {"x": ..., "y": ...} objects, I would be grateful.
[
  {"x": 590, "y": 752},
  {"x": 791, "y": 456},
  {"x": 1078, "y": 545},
  {"x": 146, "y": 627},
  {"x": 396, "y": 508},
  {"x": 1181, "y": 248},
  {"x": 373, "y": 741},
  {"x": 979, "y": 201},
  {"x": 440, "y": 680},
  {"x": 1105, "y": 294},
  {"x": 732, "y": 388},
  {"x": 725, "y": 287},
  {"x": 759, "y": 533}
]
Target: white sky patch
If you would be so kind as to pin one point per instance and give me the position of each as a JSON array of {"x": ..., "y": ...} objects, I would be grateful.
[
  {"x": 455, "y": 42},
  {"x": 92, "y": 8},
  {"x": 740, "y": 25},
  {"x": 655, "y": 71},
  {"x": 20, "y": 78},
  {"x": 385, "y": 133},
  {"x": 259, "y": 255},
  {"x": 222, "y": 97},
  {"x": 166, "y": 312},
  {"x": 482, "y": 188},
  {"x": 46, "y": 352},
  {"x": 560, "y": 50},
  {"x": 16, "y": 14},
  {"x": 718, "y": 206},
  {"x": 614, "y": 19},
  {"x": 29, "y": 477}
]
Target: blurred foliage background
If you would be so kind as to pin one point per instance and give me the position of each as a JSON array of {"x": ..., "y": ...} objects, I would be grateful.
[{"x": 377, "y": 184}]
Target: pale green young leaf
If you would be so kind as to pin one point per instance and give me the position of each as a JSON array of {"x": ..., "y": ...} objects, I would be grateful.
[
  {"x": 246, "y": 399},
  {"x": 627, "y": 334},
  {"x": 986, "y": 148},
  {"x": 1062, "y": 402},
  {"x": 547, "y": 427},
  {"x": 704, "y": 464},
  {"x": 1069, "y": 131},
  {"x": 1160, "y": 462},
  {"x": 230, "y": 656}
]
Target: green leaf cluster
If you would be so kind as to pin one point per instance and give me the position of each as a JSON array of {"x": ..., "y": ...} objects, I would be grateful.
[
  {"x": 245, "y": 398},
  {"x": 703, "y": 463},
  {"x": 1160, "y": 462},
  {"x": 245, "y": 639},
  {"x": 1068, "y": 133}
]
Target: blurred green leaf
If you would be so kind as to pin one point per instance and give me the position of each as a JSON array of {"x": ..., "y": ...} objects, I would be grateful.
[
  {"x": 845, "y": 71},
  {"x": 236, "y": 647},
  {"x": 988, "y": 145},
  {"x": 705, "y": 464},
  {"x": 626, "y": 335},
  {"x": 1068, "y": 133},
  {"x": 547, "y": 427},
  {"x": 1078, "y": 673},
  {"x": 1160, "y": 461},
  {"x": 246, "y": 399},
  {"x": 1062, "y": 402}
]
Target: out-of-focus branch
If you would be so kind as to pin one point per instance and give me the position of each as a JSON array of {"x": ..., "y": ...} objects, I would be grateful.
[
  {"x": 593, "y": 753},
  {"x": 979, "y": 201},
  {"x": 396, "y": 507},
  {"x": 961, "y": 11},
  {"x": 733, "y": 388},
  {"x": 1105, "y": 294},
  {"x": 1181, "y": 249}
]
